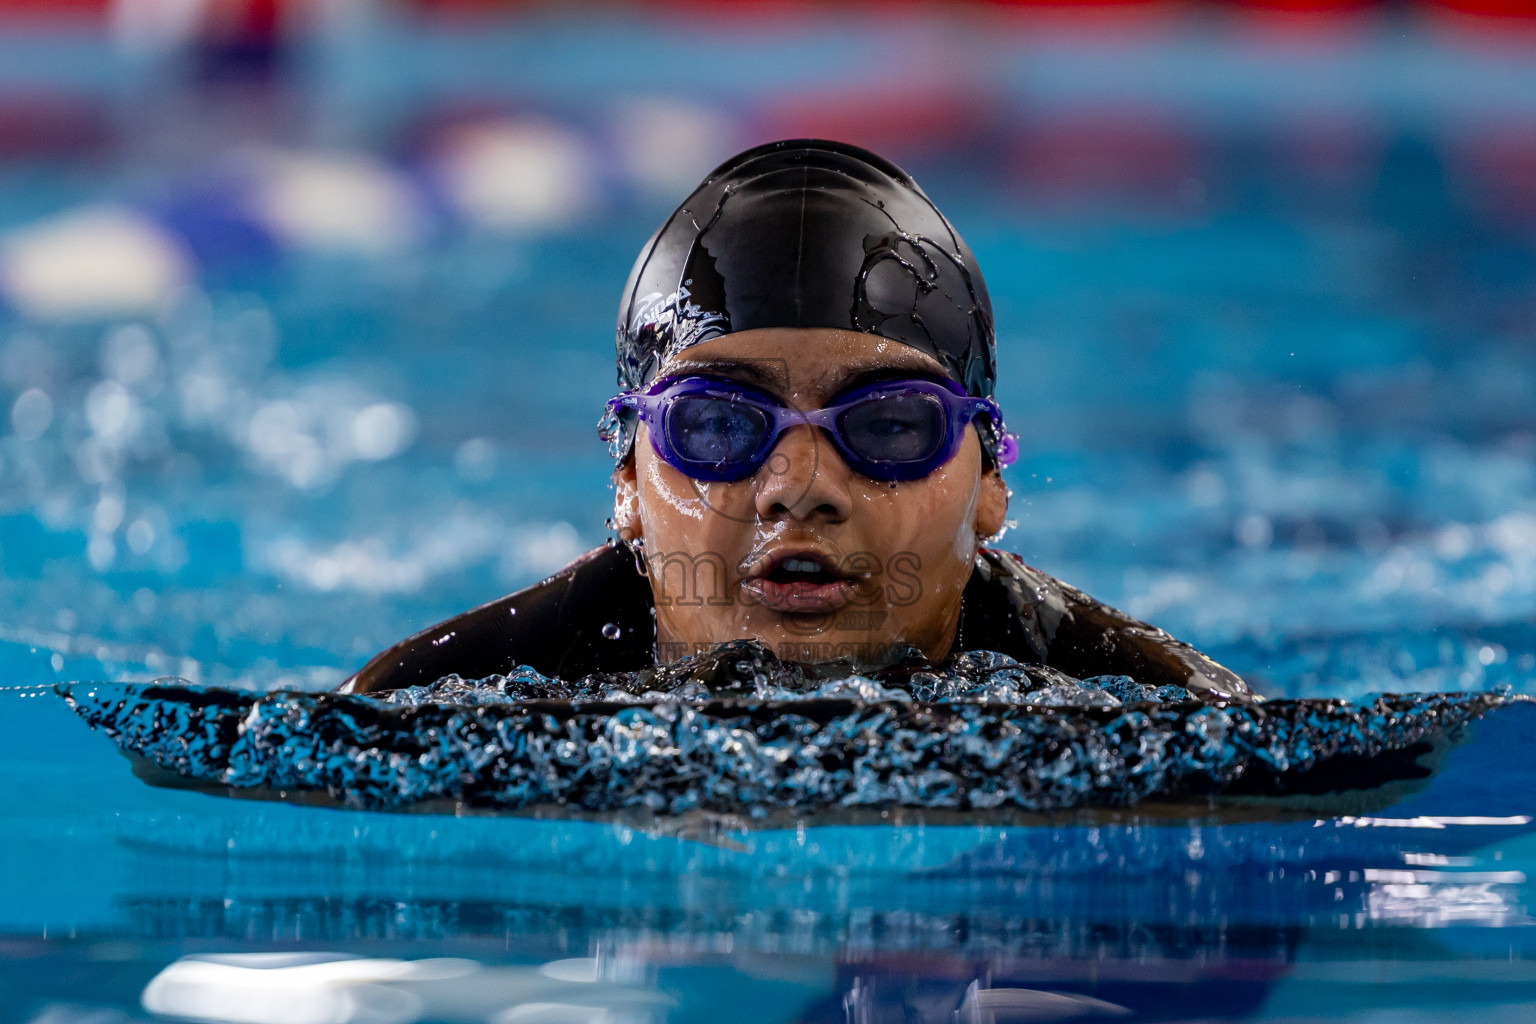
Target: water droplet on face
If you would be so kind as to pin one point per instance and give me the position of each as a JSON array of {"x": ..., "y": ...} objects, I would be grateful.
[{"x": 611, "y": 631}]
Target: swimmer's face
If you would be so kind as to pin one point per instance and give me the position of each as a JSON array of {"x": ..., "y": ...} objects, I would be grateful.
[{"x": 815, "y": 561}]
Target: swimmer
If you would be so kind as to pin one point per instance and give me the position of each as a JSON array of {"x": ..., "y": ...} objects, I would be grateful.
[{"x": 809, "y": 456}]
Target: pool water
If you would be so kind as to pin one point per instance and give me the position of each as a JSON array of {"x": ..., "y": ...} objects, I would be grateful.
[
  {"x": 141, "y": 899},
  {"x": 1271, "y": 363}
]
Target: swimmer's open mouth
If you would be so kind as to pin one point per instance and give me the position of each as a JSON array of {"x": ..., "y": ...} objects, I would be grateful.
[
  {"x": 801, "y": 570},
  {"x": 799, "y": 581}
]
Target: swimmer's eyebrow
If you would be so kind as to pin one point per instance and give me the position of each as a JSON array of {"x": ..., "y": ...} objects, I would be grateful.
[
  {"x": 849, "y": 378},
  {"x": 746, "y": 371},
  {"x": 838, "y": 381}
]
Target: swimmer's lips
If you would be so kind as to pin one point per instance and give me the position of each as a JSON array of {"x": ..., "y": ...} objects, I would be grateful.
[{"x": 821, "y": 586}]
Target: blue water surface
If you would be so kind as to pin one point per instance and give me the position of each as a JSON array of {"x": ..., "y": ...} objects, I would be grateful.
[{"x": 1272, "y": 360}]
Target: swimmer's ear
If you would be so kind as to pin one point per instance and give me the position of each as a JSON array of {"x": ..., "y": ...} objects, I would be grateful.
[
  {"x": 991, "y": 504},
  {"x": 626, "y": 501}
]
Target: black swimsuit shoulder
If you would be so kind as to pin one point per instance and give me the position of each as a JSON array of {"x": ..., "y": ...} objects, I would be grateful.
[{"x": 595, "y": 615}]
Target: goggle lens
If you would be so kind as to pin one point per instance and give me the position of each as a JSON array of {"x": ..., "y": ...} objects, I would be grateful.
[
  {"x": 715, "y": 431},
  {"x": 895, "y": 428}
]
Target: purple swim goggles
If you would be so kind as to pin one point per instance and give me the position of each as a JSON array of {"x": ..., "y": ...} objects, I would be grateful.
[{"x": 716, "y": 429}]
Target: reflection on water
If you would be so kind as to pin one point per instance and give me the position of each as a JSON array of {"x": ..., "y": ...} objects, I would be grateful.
[
  {"x": 319, "y": 988},
  {"x": 649, "y": 981}
]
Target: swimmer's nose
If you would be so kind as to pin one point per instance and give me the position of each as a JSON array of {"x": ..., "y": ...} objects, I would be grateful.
[{"x": 804, "y": 478}]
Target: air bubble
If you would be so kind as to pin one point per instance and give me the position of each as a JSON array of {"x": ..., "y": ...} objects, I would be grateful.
[{"x": 611, "y": 630}]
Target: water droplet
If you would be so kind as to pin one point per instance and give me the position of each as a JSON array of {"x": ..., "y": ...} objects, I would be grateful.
[
  {"x": 611, "y": 631},
  {"x": 1504, "y": 689}
]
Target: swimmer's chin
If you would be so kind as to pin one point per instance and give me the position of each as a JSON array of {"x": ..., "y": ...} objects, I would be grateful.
[{"x": 833, "y": 652}]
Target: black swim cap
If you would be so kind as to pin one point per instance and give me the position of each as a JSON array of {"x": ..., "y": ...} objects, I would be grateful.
[{"x": 807, "y": 233}]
